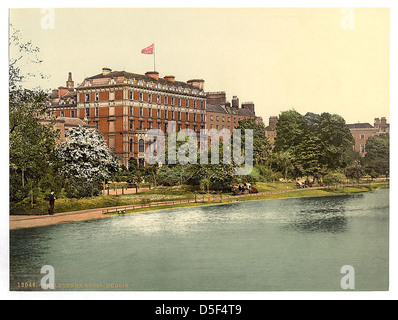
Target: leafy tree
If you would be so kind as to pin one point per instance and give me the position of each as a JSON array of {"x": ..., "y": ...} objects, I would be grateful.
[
  {"x": 317, "y": 143},
  {"x": 261, "y": 146},
  {"x": 290, "y": 131},
  {"x": 86, "y": 159},
  {"x": 283, "y": 162},
  {"x": 355, "y": 171},
  {"x": 336, "y": 140},
  {"x": 31, "y": 143},
  {"x": 377, "y": 157}
]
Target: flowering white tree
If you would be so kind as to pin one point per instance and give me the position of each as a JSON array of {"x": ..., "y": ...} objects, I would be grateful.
[{"x": 85, "y": 155}]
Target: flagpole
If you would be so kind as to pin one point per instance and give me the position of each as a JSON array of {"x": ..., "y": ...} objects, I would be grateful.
[{"x": 154, "y": 65}]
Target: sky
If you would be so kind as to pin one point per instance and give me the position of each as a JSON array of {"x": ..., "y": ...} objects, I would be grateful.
[{"x": 310, "y": 59}]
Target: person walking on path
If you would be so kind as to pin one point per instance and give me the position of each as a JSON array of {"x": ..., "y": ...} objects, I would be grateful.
[{"x": 52, "y": 203}]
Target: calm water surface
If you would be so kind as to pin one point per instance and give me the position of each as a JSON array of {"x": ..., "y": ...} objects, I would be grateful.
[{"x": 274, "y": 245}]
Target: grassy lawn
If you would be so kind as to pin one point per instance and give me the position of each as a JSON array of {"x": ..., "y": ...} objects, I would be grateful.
[{"x": 174, "y": 194}]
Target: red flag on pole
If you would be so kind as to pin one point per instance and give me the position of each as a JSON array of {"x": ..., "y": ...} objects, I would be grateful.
[{"x": 148, "y": 50}]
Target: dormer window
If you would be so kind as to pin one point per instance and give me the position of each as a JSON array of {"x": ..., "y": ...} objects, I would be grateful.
[
  {"x": 112, "y": 81},
  {"x": 88, "y": 83}
]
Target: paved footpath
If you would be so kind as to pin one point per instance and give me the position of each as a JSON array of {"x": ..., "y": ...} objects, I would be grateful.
[{"x": 21, "y": 222}]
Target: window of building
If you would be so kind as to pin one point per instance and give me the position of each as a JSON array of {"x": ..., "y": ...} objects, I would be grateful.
[
  {"x": 218, "y": 127},
  {"x": 131, "y": 125},
  {"x": 149, "y": 125},
  {"x": 131, "y": 145},
  {"x": 141, "y": 125},
  {"x": 229, "y": 119},
  {"x": 96, "y": 111},
  {"x": 202, "y": 104},
  {"x": 87, "y": 97},
  {"x": 141, "y": 96},
  {"x": 186, "y": 116},
  {"x": 72, "y": 113},
  {"x": 362, "y": 147},
  {"x": 194, "y": 117},
  {"x": 158, "y": 98},
  {"x": 211, "y": 126},
  {"x": 211, "y": 118},
  {"x": 149, "y": 97},
  {"x": 131, "y": 95},
  {"x": 186, "y": 102},
  {"x": 87, "y": 112},
  {"x": 223, "y": 119},
  {"x": 179, "y": 101},
  {"x": 112, "y": 81},
  {"x": 62, "y": 113},
  {"x": 141, "y": 162},
  {"x": 362, "y": 136},
  {"x": 131, "y": 110},
  {"x": 218, "y": 118},
  {"x": 141, "y": 111},
  {"x": 96, "y": 96},
  {"x": 179, "y": 115},
  {"x": 149, "y": 112},
  {"x": 234, "y": 120},
  {"x": 195, "y": 128}
]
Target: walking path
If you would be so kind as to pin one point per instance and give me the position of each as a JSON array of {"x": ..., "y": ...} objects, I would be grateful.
[{"x": 20, "y": 221}]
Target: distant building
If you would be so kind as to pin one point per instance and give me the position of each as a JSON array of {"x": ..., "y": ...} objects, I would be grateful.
[
  {"x": 270, "y": 130},
  {"x": 363, "y": 131},
  {"x": 221, "y": 115}
]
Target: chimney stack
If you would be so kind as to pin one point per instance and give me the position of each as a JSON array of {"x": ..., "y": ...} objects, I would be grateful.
[
  {"x": 198, "y": 83},
  {"x": 235, "y": 102},
  {"x": 106, "y": 71},
  {"x": 248, "y": 106},
  {"x": 153, "y": 74},
  {"x": 170, "y": 78},
  {"x": 383, "y": 121}
]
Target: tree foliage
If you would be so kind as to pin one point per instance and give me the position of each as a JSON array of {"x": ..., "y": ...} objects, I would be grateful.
[
  {"x": 377, "y": 157},
  {"x": 317, "y": 143}
]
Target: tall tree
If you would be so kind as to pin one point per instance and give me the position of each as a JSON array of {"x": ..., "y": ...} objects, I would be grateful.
[
  {"x": 31, "y": 143},
  {"x": 317, "y": 143},
  {"x": 377, "y": 157}
]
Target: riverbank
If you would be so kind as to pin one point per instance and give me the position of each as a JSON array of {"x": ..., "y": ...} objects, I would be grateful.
[{"x": 21, "y": 222}]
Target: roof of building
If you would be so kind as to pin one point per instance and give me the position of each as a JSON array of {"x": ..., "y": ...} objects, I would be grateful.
[
  {"x": 229, "y": 110},
  {"x": 129, "y": 75},
  {"x": 360, "y": 126}
]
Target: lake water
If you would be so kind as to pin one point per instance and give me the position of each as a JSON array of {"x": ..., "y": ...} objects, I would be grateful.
[{"x": 274, "y": 245}]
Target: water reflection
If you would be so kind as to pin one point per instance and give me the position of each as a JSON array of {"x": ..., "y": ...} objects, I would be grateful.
[{"x": 326, "y": 214}]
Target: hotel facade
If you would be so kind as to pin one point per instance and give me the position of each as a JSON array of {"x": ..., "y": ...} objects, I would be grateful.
[{"x": 123, "y": 106}]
